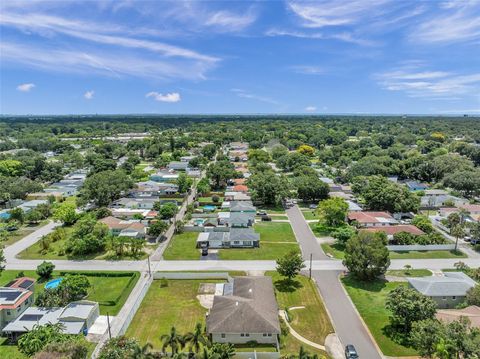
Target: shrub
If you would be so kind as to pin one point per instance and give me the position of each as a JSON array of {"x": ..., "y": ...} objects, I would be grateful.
[
  {"x": 45, "y": 270},
  {"x": 215, "y": 198}
]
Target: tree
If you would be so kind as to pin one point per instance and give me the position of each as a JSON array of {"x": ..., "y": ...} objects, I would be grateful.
[
  {"x": 306, "y": 150},
  {"x": 70, "y": 289},
  {"x": 290, "y": 265},
  {"x": 209, "y": 150},
  {"x": 423, "y": 223},
  {"x": 407, "y": 306},
  {"x": 66, "y": 213},
  {"x": 184, "y": 183},
  {"x": 473, "y": 296},
  {"x": 311, "y": 188},
  {"x": 157, "y": 228},
  {"x": 172, "y": 340},
  {"x": 45, "y": 270},
  {"x": 467, "y": 182},
  {"x": 119, "y": 348},
  {"x": 203, "y": 186},
  {"x": 333, "y": 211},
  {"x": 36, "y": 339},
  {"x": 2, "y": 261},
  {"x": 457, "y": 231},
  {"x": 17, "y": 214},
  {"x": 104, "y": 187},
  {"x": 343, "y": 234},
  {"x": 168, "y": 210},
  {"x": 220, "y": 171},
  {"x": 366, "y": 255},
  {"x": 268, "y": 188},
  {"x": 196, "y": 338},
  {"x": 425, "y": 335},
  {"x": 222, "y": 351}
]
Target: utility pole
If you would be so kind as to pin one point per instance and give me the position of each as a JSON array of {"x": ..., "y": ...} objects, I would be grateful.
[
  {"x": 108, "y": 323},
  {"x": 310, "y": 270},
  {"x": 149, "y": 270}
]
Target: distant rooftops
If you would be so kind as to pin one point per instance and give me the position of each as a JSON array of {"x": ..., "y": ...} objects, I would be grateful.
[{"x": 450, "y": 284}]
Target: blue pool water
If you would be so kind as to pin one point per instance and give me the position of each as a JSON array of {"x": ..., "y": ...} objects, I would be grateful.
[
  {"x": 53, "y": 283},
  {"x": 209, "y": 208}
]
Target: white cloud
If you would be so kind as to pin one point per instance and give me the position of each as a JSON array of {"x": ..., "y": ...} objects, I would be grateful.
[
  {"x": 89, "y": 95},
  {"x": 344, "y": 36},
  {"x": 168, "y": 97},
  {"x": 25, "y": 87},
  {"x": 310, "y": 109},
  {"x": 231, "y": 21},
  {"x": 308, "y": 69},
  {"x": 244, "y": 94},
  {"x": 416, "y": 82}
]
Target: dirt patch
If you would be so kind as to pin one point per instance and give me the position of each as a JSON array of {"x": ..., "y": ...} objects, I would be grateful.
[
  {"x": 207, "y": 288},
  {"x": 206, "y": 300}
]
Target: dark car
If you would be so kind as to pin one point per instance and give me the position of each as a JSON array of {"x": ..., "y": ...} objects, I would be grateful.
[
  {"x": 266, "y": 219},
  {"x": 351, "y": 352},
  {"x": 204, "y": 251},
  {"x": 261, "y": 213}
]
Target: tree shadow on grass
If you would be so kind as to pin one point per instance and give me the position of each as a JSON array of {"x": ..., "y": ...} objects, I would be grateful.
[
  {"x": 287, "y": 285},
  {"x": 376, "y": 285},
  {"x": 396, "y": 335}
]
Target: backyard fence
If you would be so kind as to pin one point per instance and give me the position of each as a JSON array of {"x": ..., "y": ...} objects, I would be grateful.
[
  {"x": 419, "y": 247},
  {"x": 192, "y": 275}
]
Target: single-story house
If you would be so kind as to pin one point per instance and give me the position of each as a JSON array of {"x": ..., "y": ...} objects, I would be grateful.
[
  {"x": 76, "y": 318},
  {"x": 450, "y": 315},
  {"x": 164, "y": 176},
  {"x": 186, "y": 158},
  {"x": 235, "y": 238},
  {"x": 129, "y": 212},
  {"x": 194, "y": 172},
  {"x": 27, "y": 206},
  {"x": 241, "y": 219},
  {"x": 134, "y": 203},
  {"x": 242, "y": 206},
  {"x": 246, "y": 311},
  {"x": 434, "y": 198},
  {"x": 447, "y": 290},
  {"x": 240, "y": 188},
  {"x": 238, "y": 146},
  {"x": 353, "y": 206},
  {"x": 472, "y": 209},
  {"x": 15, "y": 298},
  {"x": 416, "y": 186},
  {"x": 390, "y": 231},
  {"x": 236, "y": 196},
  {"x": 178, "y": 166},
  {"x": 122, "y": 228},
  {"x": 371, "y": 219}
]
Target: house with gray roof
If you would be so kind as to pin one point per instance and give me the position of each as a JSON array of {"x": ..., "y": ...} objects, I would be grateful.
[
  {"x": 235, "y": 238},
  {"x": 178, "y": 166},
  {"x": 246, "y": 311},
  {"x": 447, "y": 290},
  {"x": 241, "y": 219},
  {"x": 242, "y": 206}
]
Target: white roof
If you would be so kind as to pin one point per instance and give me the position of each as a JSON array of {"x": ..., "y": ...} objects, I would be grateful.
[
  {"x": 79, "y": 310},
  {"x": 224, "y": 215}
]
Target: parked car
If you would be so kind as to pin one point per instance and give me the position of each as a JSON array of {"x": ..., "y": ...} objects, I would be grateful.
[
  {"x": 266, "y": 218},
  {"x": 261, "y": 213},
  {"x": 204, "y": 251},
  {"x": 351, "y": 352},
  {"x": 313, "y": 206}
]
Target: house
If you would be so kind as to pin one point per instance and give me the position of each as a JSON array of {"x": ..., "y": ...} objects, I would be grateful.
[
  {"x": 186, "y": 158},
  {"x": 240, "y": 188},
  {"x": 223, "y": 218},
  {"x": 450, "y": 315},
  {"x": 238, "y": 146},
  {"x": 15, "y": 298},
  {"x": 153, "y": 189},
  {"x": 76, "y": 318},
  {"x": 130, "y": 213},
  {"x": 353, "y": 206},
  {"x": 134, "y": 203},
  {"x": 178, "y": 166},
  {"x": 235, "y": 238},
  {"x": 239, "y": 181},
  {"x": 371, "y": 219},
  {"x": 447, "y": 290},
  {"x": 122, "y": 228},
  {"x": 236, "y": 196},
  {"x": 242, "y": 206},
  {"x": 472, "y": 209},
  {"x": 194, "y": 172},
  {"x": 416, "y": 186},
  {"x": 434, "y": 198},
  {"x": 246, "y": 311},
  {"x": 390, "y": 231},
  {"x": 241, "y": 219},
  {"x": 27, "y": 206},
  {"x": 164, "y": 176}
]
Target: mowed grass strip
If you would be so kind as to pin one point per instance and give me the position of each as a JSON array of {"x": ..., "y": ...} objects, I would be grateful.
[
  {"x": 275, "y": 232},
  {"x": 311, "y": 322},
  {"x": 267, "y": 251},
  {"x": 163, "y": 307},
  {"x": 182, "y": 246},
  {"x": 369, "y": 299}
]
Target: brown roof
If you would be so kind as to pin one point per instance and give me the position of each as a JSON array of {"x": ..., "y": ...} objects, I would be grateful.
[
  {"x": 391, "y": 230},
  {"x": 449, "y": 315},
  {"x": 239, "y": 181},
  {"x": 115, "y": 223},
  {"x": 240, "y": 188},
  {"x": 250, "y": 308},
  {"x": 368, "y": 216}
]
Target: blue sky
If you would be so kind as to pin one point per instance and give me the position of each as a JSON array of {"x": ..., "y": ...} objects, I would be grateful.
[{"x": 359, "y": 56}]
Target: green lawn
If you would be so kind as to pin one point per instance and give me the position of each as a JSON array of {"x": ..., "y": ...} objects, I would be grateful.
[
  {"x": 277, "y": 217},
  {"x": 209, "y": 199},
  {"x": 110, "y": 292},
  {"x": 267, "y": 251},
  {"x": 337, "y": 251},
  {"x": 56, "y": 250},
  {"x": 275, "y": 232},
  {"x": 272, "y": 209},
  {"x": 10, "y": 351},
  {"x": 312, "y": 322},
  {"x": 163, "y": 307},
  {"x": 319, "y": 230},
  {"x": 410, "y": 273},
  {"x": 309, "y": 214},
  {"x": 182, "y": 246},
  {"x": 22, "y": 232},
  {"x": 369, "y": 298}
]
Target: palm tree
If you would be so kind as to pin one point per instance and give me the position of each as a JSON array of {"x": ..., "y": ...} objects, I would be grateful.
[
  {"x": 457, "y": 231},
  {"x": 441, "y": 350},
  {"x": 172, "y": 340},
  {"x": 195, "y": 338},
  {"x": 143, "y": 352}
]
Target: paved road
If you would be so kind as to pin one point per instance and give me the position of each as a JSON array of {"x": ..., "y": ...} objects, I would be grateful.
[{"x": 346, "y": 321}]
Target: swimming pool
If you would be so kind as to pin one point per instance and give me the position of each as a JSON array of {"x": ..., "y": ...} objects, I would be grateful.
[
  {"x": 54, "y": 283},
  {"x": 209, "y": 208}
]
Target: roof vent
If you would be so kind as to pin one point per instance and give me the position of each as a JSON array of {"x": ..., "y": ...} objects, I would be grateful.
[
  {"x": 236, "y": 303},
  {"x": 250, "y": 290}
]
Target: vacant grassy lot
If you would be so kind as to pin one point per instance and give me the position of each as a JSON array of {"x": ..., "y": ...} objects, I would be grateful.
[
  {"x": 267, "y": 251},
  {"x": 309, "y": 214},
  {"x": 10, "y": 351},
  {"x": 275, "y": 232},
  {"x": 337, "y": 251},
  {"x": 410, "y": 273},
  {"x": 22, "y": 232},
  {"x": 311, "y": 322},
  {"x": 163, "y": 307},
  {"x": 272, "y": 209},
  {"x": 369, "y": 298},
  {"x": 110, "y": 292},
  {"x": 182, "y": 246}
]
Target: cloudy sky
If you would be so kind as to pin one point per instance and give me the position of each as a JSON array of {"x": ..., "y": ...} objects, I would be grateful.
[{"x": 358, "y": 56}]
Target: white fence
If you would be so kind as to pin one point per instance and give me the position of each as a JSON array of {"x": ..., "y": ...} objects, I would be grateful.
[
  {"x": 419, "y": 247},
  {"x": 192, "y": 275}
]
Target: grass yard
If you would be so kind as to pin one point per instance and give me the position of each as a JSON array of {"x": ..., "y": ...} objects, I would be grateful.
[
  {"x": 10, "y": 351},
  {"x": 312, "y": 322},
  {"x": 272, "y": 209},
  {"x": 275, "y": 232},
  {"x": 369, "y": 298},
  {"x": 319, "y": 230},
  {"x": 163, "y": 307},
  {"x": 209, "y": 199},
  {"x": 182, "y": 246},
  {"x": 110, "y": 292},
  {"x": 410, "y": 273},
  {"x": 337, "y": 251},
  {"x": 309, "y": 214},
  {"x": 22, "y": 232},
  {"x": 267, "y": 251}
]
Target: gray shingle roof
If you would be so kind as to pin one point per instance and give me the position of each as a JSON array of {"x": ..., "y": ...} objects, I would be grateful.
[
  {"x": 242, "y": 206},
  {"x": 451, "y": 284},
  {"x": 243, "y": 234},
  {"x": 251, "y": 308}
]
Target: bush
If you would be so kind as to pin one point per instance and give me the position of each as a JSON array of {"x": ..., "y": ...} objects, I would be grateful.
[
  {"x": 215, "y": 198},
  {"x": 45, "y": 270},
  {"x": 163, "y": 282}
]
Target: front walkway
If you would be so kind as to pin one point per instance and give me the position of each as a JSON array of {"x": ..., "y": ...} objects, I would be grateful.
[{"x": 298, "y": 336}]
